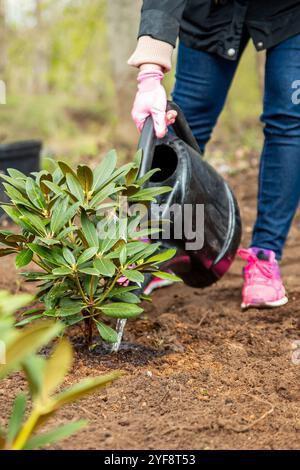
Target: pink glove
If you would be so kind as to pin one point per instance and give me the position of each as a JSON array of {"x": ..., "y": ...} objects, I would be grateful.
[{"x": 151, "y": 100}]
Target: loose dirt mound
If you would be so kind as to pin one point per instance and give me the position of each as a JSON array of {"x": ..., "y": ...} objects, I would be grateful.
[{"x": 199, "y": 373}]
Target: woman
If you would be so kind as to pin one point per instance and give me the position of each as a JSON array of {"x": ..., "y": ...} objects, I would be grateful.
[{"x": 213, "y": 35}]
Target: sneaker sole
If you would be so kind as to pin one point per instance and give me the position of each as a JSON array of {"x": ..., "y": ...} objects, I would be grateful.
[
  {"x": 157, "y": 285},
  {"x": 276, "y": 303}
]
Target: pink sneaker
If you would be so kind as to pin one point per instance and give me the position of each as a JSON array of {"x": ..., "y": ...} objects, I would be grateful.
[
  {"x": 262, "y": 281},
  {"x": 152, "y": 283}
]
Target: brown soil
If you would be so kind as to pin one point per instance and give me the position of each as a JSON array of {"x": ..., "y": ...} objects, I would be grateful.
[{"x": 199, "y": 373}]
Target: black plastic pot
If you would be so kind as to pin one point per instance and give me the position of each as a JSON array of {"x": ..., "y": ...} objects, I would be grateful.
[
  {"x": 194, "y": 182},
  {"x": 23, "y": 156}
]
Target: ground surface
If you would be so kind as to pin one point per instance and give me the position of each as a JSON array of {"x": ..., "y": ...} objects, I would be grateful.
[{"x": 199, "y": 374}]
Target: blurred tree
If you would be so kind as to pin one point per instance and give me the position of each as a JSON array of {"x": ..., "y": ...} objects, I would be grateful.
[
  {"x": 41, "y": 54},
  {"x": 80, "y": 57},
  {"x": 2, "y": 38},
  {"x": 123, "y": 19}
]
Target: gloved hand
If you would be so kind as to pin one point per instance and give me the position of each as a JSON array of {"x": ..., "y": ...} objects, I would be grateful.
[{"x": 151, "y": 100}]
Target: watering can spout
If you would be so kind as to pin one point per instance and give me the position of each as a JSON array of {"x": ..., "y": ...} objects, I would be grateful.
[{"x": 205, "y": 224}]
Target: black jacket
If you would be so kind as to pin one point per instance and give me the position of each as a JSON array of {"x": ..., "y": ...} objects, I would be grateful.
[{"x": 217, "y": 25}]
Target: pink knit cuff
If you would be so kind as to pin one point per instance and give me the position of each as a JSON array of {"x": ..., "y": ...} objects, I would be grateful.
[{"x": 152, "y": 51}]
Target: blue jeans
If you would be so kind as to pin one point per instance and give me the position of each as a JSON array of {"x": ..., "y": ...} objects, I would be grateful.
[{"x": 202, "y": 84}]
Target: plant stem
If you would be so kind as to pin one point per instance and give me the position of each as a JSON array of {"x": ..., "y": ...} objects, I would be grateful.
[
  {"x": 90, "y": 331},
  {"x": 71, "y": 235},
  {"x": 109, "y": 289},
  {"x": 91, "y": 289},
  {"x": 80, "y": 288},
  {"x": 26, "y": 431},
  {"x": 38, "y": 263},
  {"x": 88, "y": 320}
]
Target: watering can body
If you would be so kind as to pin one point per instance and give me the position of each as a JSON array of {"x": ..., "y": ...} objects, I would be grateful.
[{"x": 204, "y": 220}]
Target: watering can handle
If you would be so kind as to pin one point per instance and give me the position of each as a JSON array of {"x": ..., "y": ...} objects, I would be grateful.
[
  {"x": 181, "y": 127},
  {"x": 147, "y": 145},
  {"x": 148, "y": 140}
]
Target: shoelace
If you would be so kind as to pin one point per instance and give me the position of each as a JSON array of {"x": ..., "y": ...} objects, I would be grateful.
[{"x": 265, "y": 267}]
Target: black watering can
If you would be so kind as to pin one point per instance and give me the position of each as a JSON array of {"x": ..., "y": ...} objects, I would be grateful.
[{"x": 205, "y": 224}]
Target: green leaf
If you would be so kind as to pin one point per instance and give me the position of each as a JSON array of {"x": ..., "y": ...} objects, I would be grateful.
[
  {"x": 148, "y": 250},
  {"x": 105, "y": 267},
  {"x": 149, "y": 194},
  {"x": 66, "y": 169},
  {"x": 118, "y": 174},
  {"x": 58, "y": 215},
  {"x": 87, "y": 255},
  {"x": 45, "y": 189},
  {"x": 54, "y": 294},
  {"x": 85, "y": 387},
  {"x": 33, "y": 367},
  {"x": 23, "y": 258},
  {"x": 107, "y": 243},
  {"x": 90, "y": 284},
  {"x": 161, "y": 257},
  {"x": 63, "y": 271},
  {"x": 167, "y": 276},
  {"x": 33, "y": 222},
  {"x": 53, "y": 187},
  {"x": 12, "y": 238},
  {"x": 69, "y": 257},
  {"x": 131, "y": 175},
  {"x": 147, "y": 232},
  {"x": 28, "y": 320},
  {"x": 16, "y": 174},
  {"x": 47, "y": 438},
  {"x": 29, "y": 340},
  {"x": 106, "y": 333},
  {"x": 134, "y": 276},
  {"x": 90, "y": 271},
  {"x": 56, "y": 368},
  {"x": 70, "y": 307},
  {"x": 106, "y": 192},
  {"x": 120, "y": 289},
  {"x": 15, "y": 302},
  {"x": 62, "y": 214},
  {"x": 58, "y": 176},
  {"x": 127, "y": 297},
  {"x": 104, "y": 170},
  {"x": 123, "y": 255},
  {"x": 51, "y": 313},
  {"x": 33, "y": 310},
  {"x": 138, "y": 157},
  {"x": 75, "y": 187},
  {"x": 120, "y": 310},
  {"x": 16, "y": 196},
  {"x": 72, "y": 319},
  {"x": 12, "y": 212},
  {"x": 86, "y": 177},
  {"x": 6, "y": 251},
  {"x": 141, "y": 181},
  {"x": 16, "y": 183},
  {"x": 64, "y": 234},
  {"x": 89, "y": 231},
  {"x": 35, "y": 194},
  {"x": 16, "y": 418},
  {"x": 48, "y": 254},
  {"x": 37, "y": 276},
  {"x": 48, "y": 241}
]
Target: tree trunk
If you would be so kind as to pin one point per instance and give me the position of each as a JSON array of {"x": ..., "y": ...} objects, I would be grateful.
[
  {"x": 40, "y": 59},
  {"x": 123, "y": 22},
  {"x": 2, "y": 40}
]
